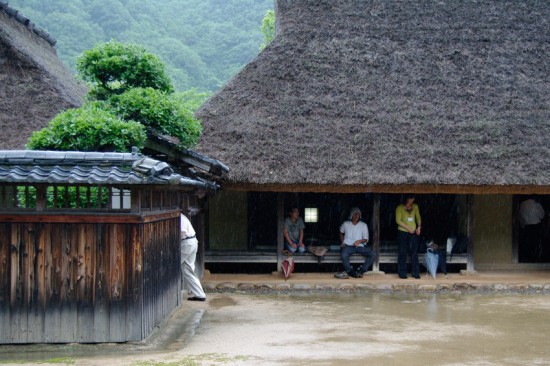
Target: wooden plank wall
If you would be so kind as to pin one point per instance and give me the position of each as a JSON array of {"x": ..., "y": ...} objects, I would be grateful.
[
  {"x": 161, "y": 271},
  {"x": 87, "y": 282}
]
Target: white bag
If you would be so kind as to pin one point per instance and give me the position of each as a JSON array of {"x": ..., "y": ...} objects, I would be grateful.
[{"x": 450, "y": 244}]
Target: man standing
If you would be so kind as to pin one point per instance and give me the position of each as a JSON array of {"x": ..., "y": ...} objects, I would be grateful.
[
  {"x": 354, "y": 236},
  {"x": 188, "y": 247}
]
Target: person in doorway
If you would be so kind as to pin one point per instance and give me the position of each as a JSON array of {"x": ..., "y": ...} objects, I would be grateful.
[
  {"x": 531, "y": 215},
  {"x": 188, "y": 248},
  {"x": 407, "y": 217},
  {"x": 294, "y": 232},
  {"x": 354, "y": 236}
]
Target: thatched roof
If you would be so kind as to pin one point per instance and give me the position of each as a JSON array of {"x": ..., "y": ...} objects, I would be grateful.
[
  {"x": 387, "y": 95},
  {"x": 34, "y": 84}
]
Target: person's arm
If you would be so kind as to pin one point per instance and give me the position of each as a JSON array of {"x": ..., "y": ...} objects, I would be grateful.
[
  {"x": 301, "y": 237},
  {"x": 364, "y": 236},
  {"x": 301, "y": 240},
  {"x": 341, "y": 239},
  {"x": 287, "y": 237}
]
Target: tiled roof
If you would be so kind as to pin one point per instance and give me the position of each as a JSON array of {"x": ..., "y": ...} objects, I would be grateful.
[{"x": 71, "y": 167}]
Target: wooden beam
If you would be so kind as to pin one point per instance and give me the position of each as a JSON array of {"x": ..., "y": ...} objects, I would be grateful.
[
  {"x": 90, "y": 218},
  {"x": 376, "y": 231},
  {"x": 515, "y": 230},
  {"x": 280, "y": 228},
  {"x": 389, "y": 188},
  {"x": 470, "y": 232}
]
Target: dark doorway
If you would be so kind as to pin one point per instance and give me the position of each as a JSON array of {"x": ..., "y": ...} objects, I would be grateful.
[
  {"x": 440, "y": 217},
  {"x": 533, "y": 228}
]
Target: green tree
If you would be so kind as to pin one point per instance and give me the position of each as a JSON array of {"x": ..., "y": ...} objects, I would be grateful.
[
  {"x": 217, "y": 37},
  {"x": 91, "y": 127},
  {"x": 114, "y": 67},
  {"x": 191, "y": 99},
  {"x": 159, "y": 111},
  {"x": 128, "y": 85},
  {"x": 268, "y": 28}
]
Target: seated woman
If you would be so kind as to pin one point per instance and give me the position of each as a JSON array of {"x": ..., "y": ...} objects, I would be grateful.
[{"x": 294, "y": 232}]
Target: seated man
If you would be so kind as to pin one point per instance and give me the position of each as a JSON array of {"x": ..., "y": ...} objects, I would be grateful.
[
  {"x": 354, "y": 236},
  {"x": 294, "y": 232}
]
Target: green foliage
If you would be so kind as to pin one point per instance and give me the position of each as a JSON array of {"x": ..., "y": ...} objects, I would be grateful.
[
  {"x": 191, "y": 99},
  {"x": 217, "y": 37},
  {"x": 65, "y": 197},
  {"x": 89, "y": 128},
  {"x": 160, "y": 111},
  {"x": 268, "y": 28},
  {"x": 77, "y": 197},
  {"x": 114, "y": 67}
]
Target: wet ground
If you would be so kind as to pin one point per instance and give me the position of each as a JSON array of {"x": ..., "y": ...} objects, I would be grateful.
[{"x": 303, "y": 327}]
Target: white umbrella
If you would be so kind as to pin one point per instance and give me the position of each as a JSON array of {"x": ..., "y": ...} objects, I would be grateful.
[{"x": 431, "y": 261}]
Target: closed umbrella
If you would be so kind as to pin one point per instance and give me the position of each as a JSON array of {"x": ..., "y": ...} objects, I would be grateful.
[
  {"x": 287, "y": 266},
  {"x": 431, "y": 261}
]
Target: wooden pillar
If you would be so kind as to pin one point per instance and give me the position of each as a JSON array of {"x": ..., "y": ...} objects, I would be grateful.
[
  {"x": 41, "y": 200},
  {"x": 198, "y": 222},
  {"x": 470, "y": 232},
  {"x": 135, "y": 200},
  {"x": 201, "y": 233},
  {"x": 515, "y": 230},
  {"x": 280, "y": 228},
  {"x": 375, "y": 224}
]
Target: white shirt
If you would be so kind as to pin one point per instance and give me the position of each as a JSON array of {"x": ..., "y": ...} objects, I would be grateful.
[
  {"x": 530, "y": 212},
  {"x": 352, "y": 233},
  {"x": 186, "y": 228}
]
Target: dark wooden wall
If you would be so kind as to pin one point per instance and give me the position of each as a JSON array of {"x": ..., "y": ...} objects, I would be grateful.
[{"x": 87, "y": 278}]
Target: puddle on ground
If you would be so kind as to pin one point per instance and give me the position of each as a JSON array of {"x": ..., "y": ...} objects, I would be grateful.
[{"x": 338, "y": 329}]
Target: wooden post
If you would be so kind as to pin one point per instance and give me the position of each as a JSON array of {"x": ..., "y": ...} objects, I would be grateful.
[
  {"x": 135, "y": 200},
  {"x": 40, "y": 198},
  {"x": 515, "y": 230},
  {"x": 375, "y": 224},
  {"x": 201, "y": 233},
  {"x": 470, "y": 232},
  {"x": 280, "y": 228}
]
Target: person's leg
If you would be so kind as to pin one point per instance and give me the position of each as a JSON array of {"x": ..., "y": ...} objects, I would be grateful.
[
  {"x": 290, "y": 248},
  {"x": 301, "y": 249},
  {"x": 414, "y": 241},
  {"x": 345, "y": 253},
  {"x": 402, "y": 240},
  {"x": 188, "y": 257},
  {"x": 443, "y": 260},
  {"x": 369, "y": 254}
]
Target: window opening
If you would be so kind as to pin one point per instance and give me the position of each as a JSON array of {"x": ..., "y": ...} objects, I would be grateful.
[{"x": 311, "y": 214}]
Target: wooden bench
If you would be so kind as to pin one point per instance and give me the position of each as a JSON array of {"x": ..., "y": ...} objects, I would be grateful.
[{"x": 330, "y": 257}]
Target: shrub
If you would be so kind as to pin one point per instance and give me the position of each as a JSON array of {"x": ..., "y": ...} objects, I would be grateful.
[
  {"x": 160, "y": 111},
  {"x": 89, "y": 128},
  {"x": 113, "y": 67}
]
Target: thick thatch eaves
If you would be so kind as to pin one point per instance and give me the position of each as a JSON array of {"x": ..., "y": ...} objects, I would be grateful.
[
  {"x": 34, "y": 84},
  {"x": 391, "y": 95}
]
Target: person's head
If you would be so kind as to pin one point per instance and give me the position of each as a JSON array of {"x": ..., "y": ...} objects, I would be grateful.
[
  {"x": 294, "y": 212},
  {"x": 355, "y": 214},
  {"x": 408, "y": 201}
]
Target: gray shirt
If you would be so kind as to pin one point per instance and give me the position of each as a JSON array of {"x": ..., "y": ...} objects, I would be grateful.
[{"x": 294, "y": 228}]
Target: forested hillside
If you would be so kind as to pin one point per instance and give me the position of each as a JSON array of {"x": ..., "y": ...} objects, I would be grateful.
[{"x": 202, "y": 42}]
